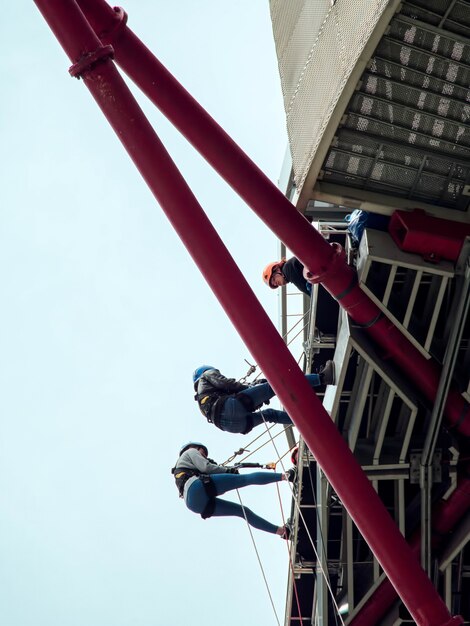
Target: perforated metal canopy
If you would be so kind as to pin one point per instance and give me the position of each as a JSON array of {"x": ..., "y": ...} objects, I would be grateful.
[{"x": 380, "y": 110}]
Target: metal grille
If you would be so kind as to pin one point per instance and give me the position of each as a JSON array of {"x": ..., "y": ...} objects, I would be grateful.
[
  {"x": 438, "y": 7},
  {"x": 405, "y": 135},
  {"x": 406, "y": 130},
  {"x": 366, "y": 162},
  {"x": 413, "y": 78},
  {"x": 454, "y": 17},
  {"x": 415, "y": 34},
  {"x": 421, "y": 99},
  {"x": 431, "y": 64},
  {"x": 409, "y": 118}
]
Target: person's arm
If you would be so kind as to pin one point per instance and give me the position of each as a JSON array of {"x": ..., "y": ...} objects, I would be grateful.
[
  {"x": 219, "y": 381},
  {"x": 202, "y": 464}
]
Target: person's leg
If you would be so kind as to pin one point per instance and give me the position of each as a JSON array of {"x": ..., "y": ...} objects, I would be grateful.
[
  {"x": 229, "y": 482},
  {"x": 233, "y": 417},
  {"x": 270, "y": 415},
  {"x": 313, "y": 380},
  {"x": 327, "y": 373},
  {"x": 224, "y": 508},
  {"x": 259, "y": 394},
  {"x": 196, "y": 498}
]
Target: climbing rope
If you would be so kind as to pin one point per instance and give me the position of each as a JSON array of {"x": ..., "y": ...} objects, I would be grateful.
[
  {"x": 240, "y": 452},
  {"x": 259, "y": 560},
  {"x": 253, "y": 366},
  {"x": 291, "y": 562},
  {"x": 320, "y": 565},
  {"x": 243, "y": 450},
  {"x": 322, "y": 539}
]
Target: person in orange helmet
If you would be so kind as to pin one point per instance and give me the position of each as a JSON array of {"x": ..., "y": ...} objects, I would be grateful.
[{"x": 281, "y": 272}]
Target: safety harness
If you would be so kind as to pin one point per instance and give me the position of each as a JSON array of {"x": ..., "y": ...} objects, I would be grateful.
[
  {"x": 183, "y": 474},
  {"x": 211, "y": 404}
]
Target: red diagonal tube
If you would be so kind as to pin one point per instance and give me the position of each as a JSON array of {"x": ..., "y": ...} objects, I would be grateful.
[
  {"x": 251, "y": 321},
  {"x": 267, "y": 201}
]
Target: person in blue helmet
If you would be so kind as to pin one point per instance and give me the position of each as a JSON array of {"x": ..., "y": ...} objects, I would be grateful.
[
  {"x": 200, "y": 482},
  {"x": 235, "y": 407}
]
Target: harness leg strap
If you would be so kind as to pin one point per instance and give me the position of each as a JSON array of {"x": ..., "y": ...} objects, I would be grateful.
[{"x": 211, "y": 494}]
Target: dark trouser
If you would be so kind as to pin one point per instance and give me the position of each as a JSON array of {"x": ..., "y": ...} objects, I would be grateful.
[{"x": 236, "y": 418}]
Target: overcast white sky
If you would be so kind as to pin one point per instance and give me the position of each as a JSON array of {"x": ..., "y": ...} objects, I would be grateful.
[{"x": 103, "y": 319}]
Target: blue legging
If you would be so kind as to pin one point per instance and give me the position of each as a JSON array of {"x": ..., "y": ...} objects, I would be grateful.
[{"x": 197, "y": 499}]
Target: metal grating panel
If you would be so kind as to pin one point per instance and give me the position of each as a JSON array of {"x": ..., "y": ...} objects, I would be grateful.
[
  {"x": 406, "y": 131},
  {"x": 431, "y": 64},
  {"x": 414, "y": 78},
  {"x": 420, "y": 99},
  {"x": 390, "y": 131},
  {"x": 367, "y": 162},
  {"x": 453, "y": 16},
  {"x": 413, "y": 33},
  {"x": 406, "y": 117}
]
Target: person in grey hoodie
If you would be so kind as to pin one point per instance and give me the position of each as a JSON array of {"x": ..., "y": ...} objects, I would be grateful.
[{"x": 200, "y": 482}]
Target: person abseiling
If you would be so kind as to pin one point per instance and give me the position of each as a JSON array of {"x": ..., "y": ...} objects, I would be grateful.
[
  {"x": 235, "y": 407},
  {"x": 200, "y": 482},
  {"x": 281, "y": 272}
]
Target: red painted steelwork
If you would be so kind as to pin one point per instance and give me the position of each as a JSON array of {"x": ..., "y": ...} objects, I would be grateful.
[
  {"x": 267, "y": 201},
  {"x": 432, "y": 237},
  {"x": 251, "y": 321},
  {"x": 446, "y": 514},
  {"x": 449, "y": 512}
]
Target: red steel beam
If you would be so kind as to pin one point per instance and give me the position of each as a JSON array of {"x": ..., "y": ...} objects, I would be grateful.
[
  {"x": 92, "y": 62},
  {"x": 324, "y": 260}
]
